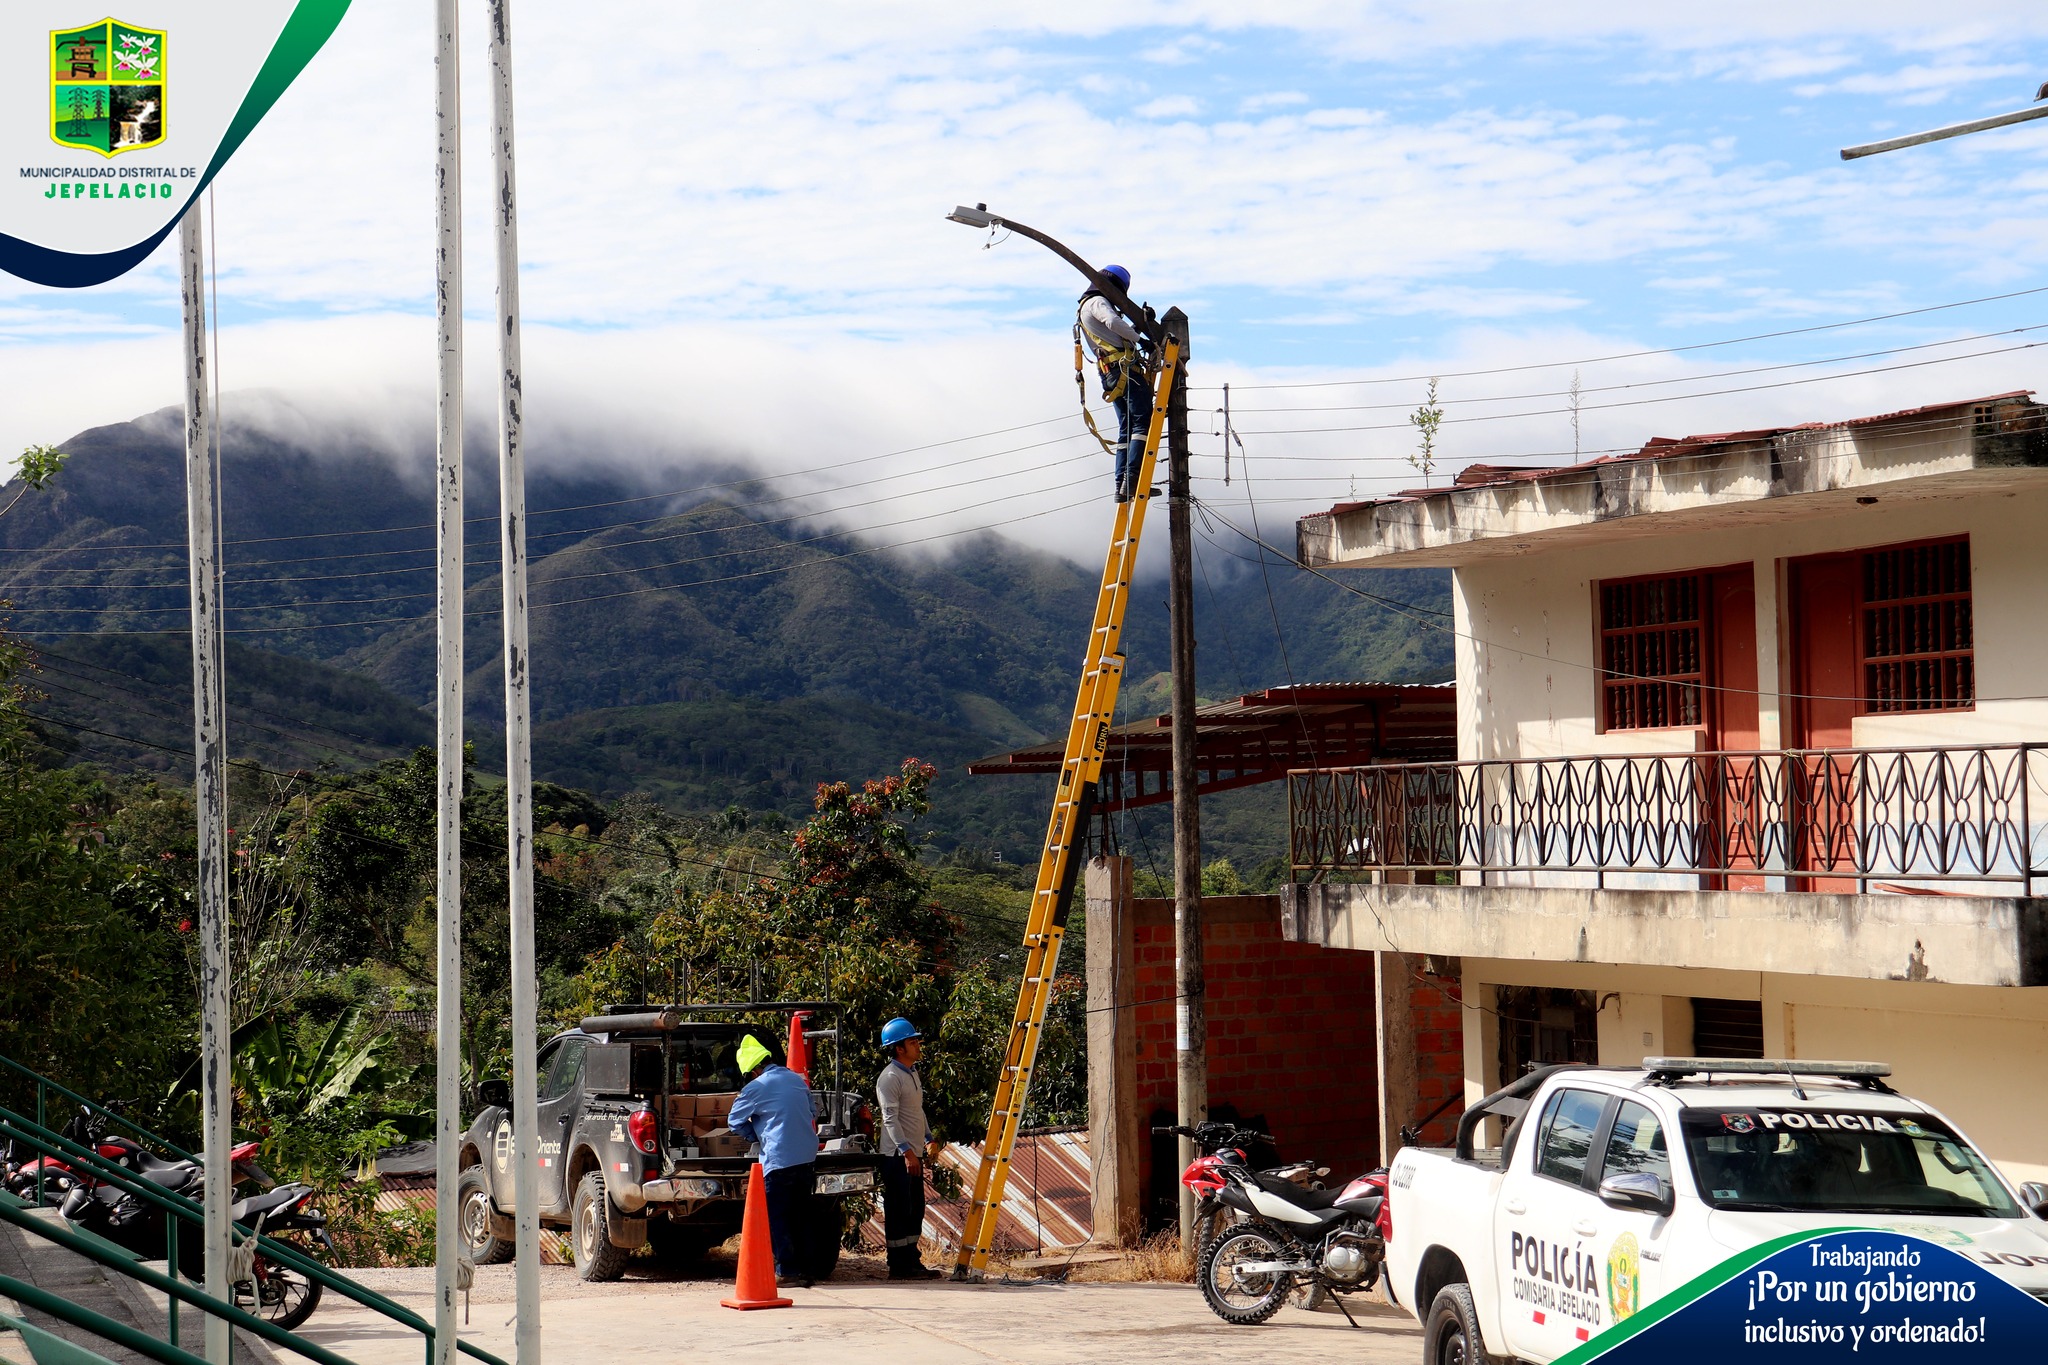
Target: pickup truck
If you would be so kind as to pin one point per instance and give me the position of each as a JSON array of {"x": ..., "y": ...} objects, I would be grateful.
[
  {"x": 634, "y": 1145},
  {"x": 1612, "y": 1186}
]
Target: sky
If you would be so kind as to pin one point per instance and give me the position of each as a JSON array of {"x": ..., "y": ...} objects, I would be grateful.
[{"x": 733, "y": 243}]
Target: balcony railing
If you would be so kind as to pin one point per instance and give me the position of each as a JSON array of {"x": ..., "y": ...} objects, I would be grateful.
[{"x": 1959, "y": 820}]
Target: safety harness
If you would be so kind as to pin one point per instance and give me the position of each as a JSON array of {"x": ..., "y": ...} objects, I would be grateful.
[{"x": 1110, "y": 359}]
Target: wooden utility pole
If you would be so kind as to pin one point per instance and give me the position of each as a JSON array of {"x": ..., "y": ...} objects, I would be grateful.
[{"x": 1191, "y": 1020}]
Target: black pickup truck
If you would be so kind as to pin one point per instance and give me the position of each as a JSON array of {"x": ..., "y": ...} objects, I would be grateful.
[{"x": 634, "y": 1143}]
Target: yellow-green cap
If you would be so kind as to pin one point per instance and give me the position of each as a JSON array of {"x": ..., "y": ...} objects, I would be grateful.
[{"x": 752, "y": 1053}]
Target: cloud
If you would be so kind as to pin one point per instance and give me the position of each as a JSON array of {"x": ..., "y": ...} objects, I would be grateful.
[
  {"x": 1189, "y": 47},
  {"x": 1271, "y": 100},
  {"x": 1920, "y": 84},
  {"x": 743, "y": 257}
]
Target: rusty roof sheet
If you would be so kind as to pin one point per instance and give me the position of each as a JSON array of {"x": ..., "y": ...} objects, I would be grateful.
[{"x": 1047, "y": 1201}]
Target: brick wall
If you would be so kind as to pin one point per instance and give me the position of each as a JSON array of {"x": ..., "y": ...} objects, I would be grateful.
[
  {"x": 1291, "y": 1031},
  {"x": 1439, "y": 1019}
]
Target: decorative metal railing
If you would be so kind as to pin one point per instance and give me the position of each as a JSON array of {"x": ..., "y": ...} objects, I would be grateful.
[{"x": 1824, "y": 820}]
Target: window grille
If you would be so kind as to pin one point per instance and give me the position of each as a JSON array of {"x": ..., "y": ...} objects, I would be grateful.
[
  {"x": 1652, "y": 652},
  {"x": 1918, "y": 637}
]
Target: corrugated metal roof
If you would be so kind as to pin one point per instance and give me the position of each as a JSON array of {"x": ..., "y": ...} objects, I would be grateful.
[
  {"x": 1047, "y": 1201},
  {"x": 1260, "y": 736}
]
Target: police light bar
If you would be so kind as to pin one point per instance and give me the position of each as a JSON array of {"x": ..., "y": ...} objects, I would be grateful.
[{"x": 1755, "y": 1066}]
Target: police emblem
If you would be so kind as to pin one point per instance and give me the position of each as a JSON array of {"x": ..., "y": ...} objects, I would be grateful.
[
  {"x": 1738, "y": 1123},
  {"x": 107, "y": 87}
]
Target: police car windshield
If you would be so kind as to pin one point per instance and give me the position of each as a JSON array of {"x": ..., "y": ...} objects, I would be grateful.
[{"x": 1839, "y": 1161}]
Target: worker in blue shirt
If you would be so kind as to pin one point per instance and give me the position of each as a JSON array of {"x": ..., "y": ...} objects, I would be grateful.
[{"x": 775, "y": 1110}]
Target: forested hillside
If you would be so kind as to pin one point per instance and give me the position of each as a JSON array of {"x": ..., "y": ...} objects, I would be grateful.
[{"x": 691, "y": 642}]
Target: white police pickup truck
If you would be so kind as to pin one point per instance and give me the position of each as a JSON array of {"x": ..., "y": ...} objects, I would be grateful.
[{"x": 1612, "y": 1186}]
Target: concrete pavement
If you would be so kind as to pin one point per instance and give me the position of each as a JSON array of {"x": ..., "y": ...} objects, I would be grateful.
[{"x": 654, "y": 1316}]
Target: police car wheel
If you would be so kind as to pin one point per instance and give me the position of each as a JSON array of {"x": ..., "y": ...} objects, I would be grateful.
[{"x": 1452, "y": 1336}]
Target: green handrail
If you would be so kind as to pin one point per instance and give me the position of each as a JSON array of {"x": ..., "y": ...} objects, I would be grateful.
[
  {"x": 120, "y": 1333},
  {"x": 56, "y": 1144},
  {"x": 44, "y": 1082},
  {"x": 166, "y": 1284}
]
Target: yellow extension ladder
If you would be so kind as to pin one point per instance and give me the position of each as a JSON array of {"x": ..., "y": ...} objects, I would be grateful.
[{"x": 1087, "y": 741}]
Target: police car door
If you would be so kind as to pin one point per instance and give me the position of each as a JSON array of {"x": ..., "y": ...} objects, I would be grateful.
[
  {"x": 1545, "y": 1228},
  {"x": 1630, "y": 1240}
]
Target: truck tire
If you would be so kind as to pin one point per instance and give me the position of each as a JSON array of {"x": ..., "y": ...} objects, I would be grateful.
[
  {"x": 1451, "y": 1333},
  {"x": 827, "y": 1223},
  {"x": 473, "y": 1204},
  {"x": 590, "y": 1235},
  {"x": 1232, "y": 1296}
]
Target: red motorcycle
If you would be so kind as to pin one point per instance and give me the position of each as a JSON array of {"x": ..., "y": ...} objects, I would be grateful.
[
  {"x": 22, "y": 1169},
  {"x": 1288, "y": 1238}
]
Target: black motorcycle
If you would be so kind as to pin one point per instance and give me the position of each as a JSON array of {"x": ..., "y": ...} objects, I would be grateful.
[
  {"x": 281, "y": 1294},
  {"x": 1290, "y": 1241}
]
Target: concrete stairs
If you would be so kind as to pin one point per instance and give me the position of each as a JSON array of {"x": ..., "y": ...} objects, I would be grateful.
[{"x": 104, "y": 1291}]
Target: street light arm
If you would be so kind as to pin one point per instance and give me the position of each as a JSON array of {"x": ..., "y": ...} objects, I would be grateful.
[
  {"x": 1104, "y": 285},
  {"x": 1940, "y": 134}
]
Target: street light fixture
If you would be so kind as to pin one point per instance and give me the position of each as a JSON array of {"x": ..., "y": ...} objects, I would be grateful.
[
  {"x": 1953, "y": 130},
  {"x": 1142, "y": 319}
]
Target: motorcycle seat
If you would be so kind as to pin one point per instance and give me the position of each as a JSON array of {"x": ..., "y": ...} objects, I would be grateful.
[
  {"x": 1294, "y": 1194},
  {"x": 257, "y": 1204},
  {"x": 171, "y": 1175}
]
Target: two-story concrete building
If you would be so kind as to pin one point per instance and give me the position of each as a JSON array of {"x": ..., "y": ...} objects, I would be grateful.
[{"x": 1752, "y": 759}]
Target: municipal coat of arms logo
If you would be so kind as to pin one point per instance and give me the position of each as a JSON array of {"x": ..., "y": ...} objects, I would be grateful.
[{"x": 107, "y": 87}]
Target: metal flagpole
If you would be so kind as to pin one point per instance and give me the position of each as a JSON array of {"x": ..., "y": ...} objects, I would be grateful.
[
  {"x": 210, "y": 785},
  {"x": 448, "y": 674},
  {"x": 518, "y": 738}
]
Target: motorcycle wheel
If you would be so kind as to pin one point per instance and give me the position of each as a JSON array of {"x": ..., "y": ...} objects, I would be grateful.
[
  {"x": 281, "y": 1295},
  {"x": 1233, "y": 1295}
]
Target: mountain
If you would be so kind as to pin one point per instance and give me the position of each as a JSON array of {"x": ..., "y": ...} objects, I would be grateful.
[{"x": 690, "y": 641}]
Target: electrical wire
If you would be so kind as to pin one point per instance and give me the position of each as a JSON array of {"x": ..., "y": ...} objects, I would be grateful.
[
  {"x": 592, "y": 531},
  {"x": 1667, "y": 398},
  {"x": 749, "y": 480},
  {"x": 1651, "y": 351},
  {"x": 1673, "y": 379},
  {"x": 609, "y": 573}
]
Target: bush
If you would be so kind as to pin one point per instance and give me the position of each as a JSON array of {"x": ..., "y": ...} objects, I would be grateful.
[{"x": 366, "y": 1237}]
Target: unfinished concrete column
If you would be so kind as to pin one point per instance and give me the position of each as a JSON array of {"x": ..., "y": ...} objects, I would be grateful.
[
  {"x": 1399, "y": 1092},
  {"x": 1114, "y": 1136}
]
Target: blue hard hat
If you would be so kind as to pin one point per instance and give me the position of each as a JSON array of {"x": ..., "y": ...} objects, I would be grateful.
[
  {"x": 899, "y": 1031},
  {"x": 1120, "y": 275}
]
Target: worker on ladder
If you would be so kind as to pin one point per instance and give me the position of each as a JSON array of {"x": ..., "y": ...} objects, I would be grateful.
[{"x": 1126, "y": 383}]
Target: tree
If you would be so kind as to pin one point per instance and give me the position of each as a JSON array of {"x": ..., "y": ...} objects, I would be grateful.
[
  {"x": 1426, "y": 419},
  {"x": 850, "y": 915},
  {"x": 39, "y": 464},
  {"x": 88, "y": 980}
]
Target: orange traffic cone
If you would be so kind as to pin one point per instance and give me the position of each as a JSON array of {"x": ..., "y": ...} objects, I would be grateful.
[
  {"x": 755, "y": 1287},
  {"x": 799, "y": 1048}
]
